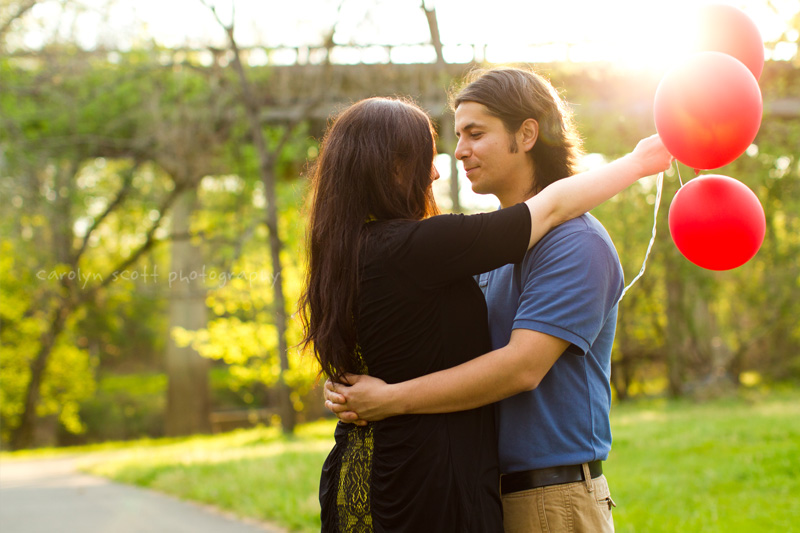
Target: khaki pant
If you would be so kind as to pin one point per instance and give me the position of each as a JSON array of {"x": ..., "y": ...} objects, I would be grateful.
[{"x": 584, "y": 506}]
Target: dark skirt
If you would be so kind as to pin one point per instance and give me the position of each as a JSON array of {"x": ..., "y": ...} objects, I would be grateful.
[{"x": 412, "y": 474}]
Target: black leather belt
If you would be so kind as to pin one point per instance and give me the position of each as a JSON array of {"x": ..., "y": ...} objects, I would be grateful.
[{"x": 544, "y": 477}]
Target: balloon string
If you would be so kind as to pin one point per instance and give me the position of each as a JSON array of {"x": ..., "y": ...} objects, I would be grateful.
[
  {"x": 678, "y": 168},
  {"x": 659, "y": 188}
]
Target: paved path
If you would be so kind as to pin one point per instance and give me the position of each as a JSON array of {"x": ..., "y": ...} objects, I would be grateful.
[{"x": 50, "y": 496}]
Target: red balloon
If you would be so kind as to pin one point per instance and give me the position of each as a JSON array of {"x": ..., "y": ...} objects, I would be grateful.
[
  {"x": 717, "y": 222},
  {"x": 707, "y": 110},
  {"x": 727, "y": 29}
]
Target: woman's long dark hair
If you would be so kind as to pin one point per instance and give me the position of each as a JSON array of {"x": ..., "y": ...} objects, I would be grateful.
[{"x": 375, "y": 163}]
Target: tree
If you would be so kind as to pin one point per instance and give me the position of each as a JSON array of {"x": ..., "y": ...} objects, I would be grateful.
[
  {"x": 11, "y": 12},
  {"x": 683, "y": 329},
  {"x": 188, "y": 401},
  {"x": 192, "y": 130},
  {"x": 447, "y": 126},
  {"x": 268, "y": 159},
  {"x": 58, "y": 117}
]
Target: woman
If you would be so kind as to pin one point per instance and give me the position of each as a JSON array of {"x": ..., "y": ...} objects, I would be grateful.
[{"x": 390, "y": 293}]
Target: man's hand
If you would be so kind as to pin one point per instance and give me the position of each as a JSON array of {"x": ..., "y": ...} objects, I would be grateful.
[
  {"x": 363, "y": 399},
  {"x": 651, "y": 154}
]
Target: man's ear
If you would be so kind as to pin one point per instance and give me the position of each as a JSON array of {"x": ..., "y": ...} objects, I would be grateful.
[{"x": 527, "y": 134}]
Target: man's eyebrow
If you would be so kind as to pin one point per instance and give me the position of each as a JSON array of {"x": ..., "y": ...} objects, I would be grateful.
[{"x": 470, "y": 126}]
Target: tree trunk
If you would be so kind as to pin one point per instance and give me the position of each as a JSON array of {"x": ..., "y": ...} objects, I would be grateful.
[
  {"x": 61, "y": 238},
  {"x": 23, "y": 435},
  {"x": 676, "y": 338},
  {"x": 448, "y": 137},
  {"x": 620, "y": 366},
  {"x": 188, "y": 396},
  {"x": 267, "y": 161},
  {"x": 5, "y": 25},
  {"x": 285, "y": 405},
  {"x": 447, "y": 130}
]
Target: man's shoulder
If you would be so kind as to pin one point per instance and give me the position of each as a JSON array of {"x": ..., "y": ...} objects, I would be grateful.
[
  {"x": 574, "y": 234},
  {"x": 578, "y": 240},
  {"x": 580, "y": 243},
  {"x": 585, "y": 223}
]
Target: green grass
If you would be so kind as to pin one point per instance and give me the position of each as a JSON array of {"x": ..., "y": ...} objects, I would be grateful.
[
  {"x": 723, "y": 466},
  {"x": 254, "y": 473},
  {"x": 110, "y": 446}
]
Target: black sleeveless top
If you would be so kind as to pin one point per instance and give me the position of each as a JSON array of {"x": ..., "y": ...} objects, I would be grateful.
[{"x": 420, "y": 311}]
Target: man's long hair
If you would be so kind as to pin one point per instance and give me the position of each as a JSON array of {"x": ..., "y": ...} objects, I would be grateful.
[
  {"x": 374, "y": 164},
  {"x": 516, "y": 94}
]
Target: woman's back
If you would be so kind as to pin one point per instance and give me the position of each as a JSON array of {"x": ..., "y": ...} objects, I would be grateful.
[{"x": 420, "y": 311}]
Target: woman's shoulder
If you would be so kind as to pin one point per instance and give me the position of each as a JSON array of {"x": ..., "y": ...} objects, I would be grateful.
[{"x": 383, "y": 232}]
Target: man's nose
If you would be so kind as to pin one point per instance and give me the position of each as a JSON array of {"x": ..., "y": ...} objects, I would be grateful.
[{"x": 461, "y": 149}]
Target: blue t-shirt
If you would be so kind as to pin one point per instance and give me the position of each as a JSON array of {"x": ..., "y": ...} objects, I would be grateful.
[{"x": 567, "y": 286}]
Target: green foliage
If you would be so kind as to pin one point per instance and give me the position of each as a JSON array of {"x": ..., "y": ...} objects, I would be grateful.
[
  {"x": 131, "y": 406},
  {"x": 241, "y": 332},
  {"x": 80, "y": 131},
  {"x": 123, "y": 408},
  {"x": 82, "y": 167},
  {"x": 694, "y": 326},
  {"x": 69, "y": 379}
]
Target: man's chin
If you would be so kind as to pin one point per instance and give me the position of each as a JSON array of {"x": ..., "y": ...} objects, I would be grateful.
[{"x": 477, "y": 188}]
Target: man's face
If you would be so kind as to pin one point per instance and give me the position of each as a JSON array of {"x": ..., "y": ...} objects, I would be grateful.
[{"x": 485, "y": 149}]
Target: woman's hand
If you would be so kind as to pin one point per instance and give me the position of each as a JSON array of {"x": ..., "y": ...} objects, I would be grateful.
[{"x": 360, "y": 400}]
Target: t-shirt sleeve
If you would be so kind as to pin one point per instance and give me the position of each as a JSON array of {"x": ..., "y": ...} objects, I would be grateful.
[
  {"x": 569, "y": 286},
  {"x": 447, "y": 247}
]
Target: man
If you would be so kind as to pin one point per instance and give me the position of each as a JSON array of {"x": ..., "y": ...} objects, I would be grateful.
[{"x": 552, "y": 320}]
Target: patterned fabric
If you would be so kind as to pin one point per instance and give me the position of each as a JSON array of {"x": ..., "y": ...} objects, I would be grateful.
[
  {"x": 353, "y": 495},
  {"x": 352, "y": 498}
]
